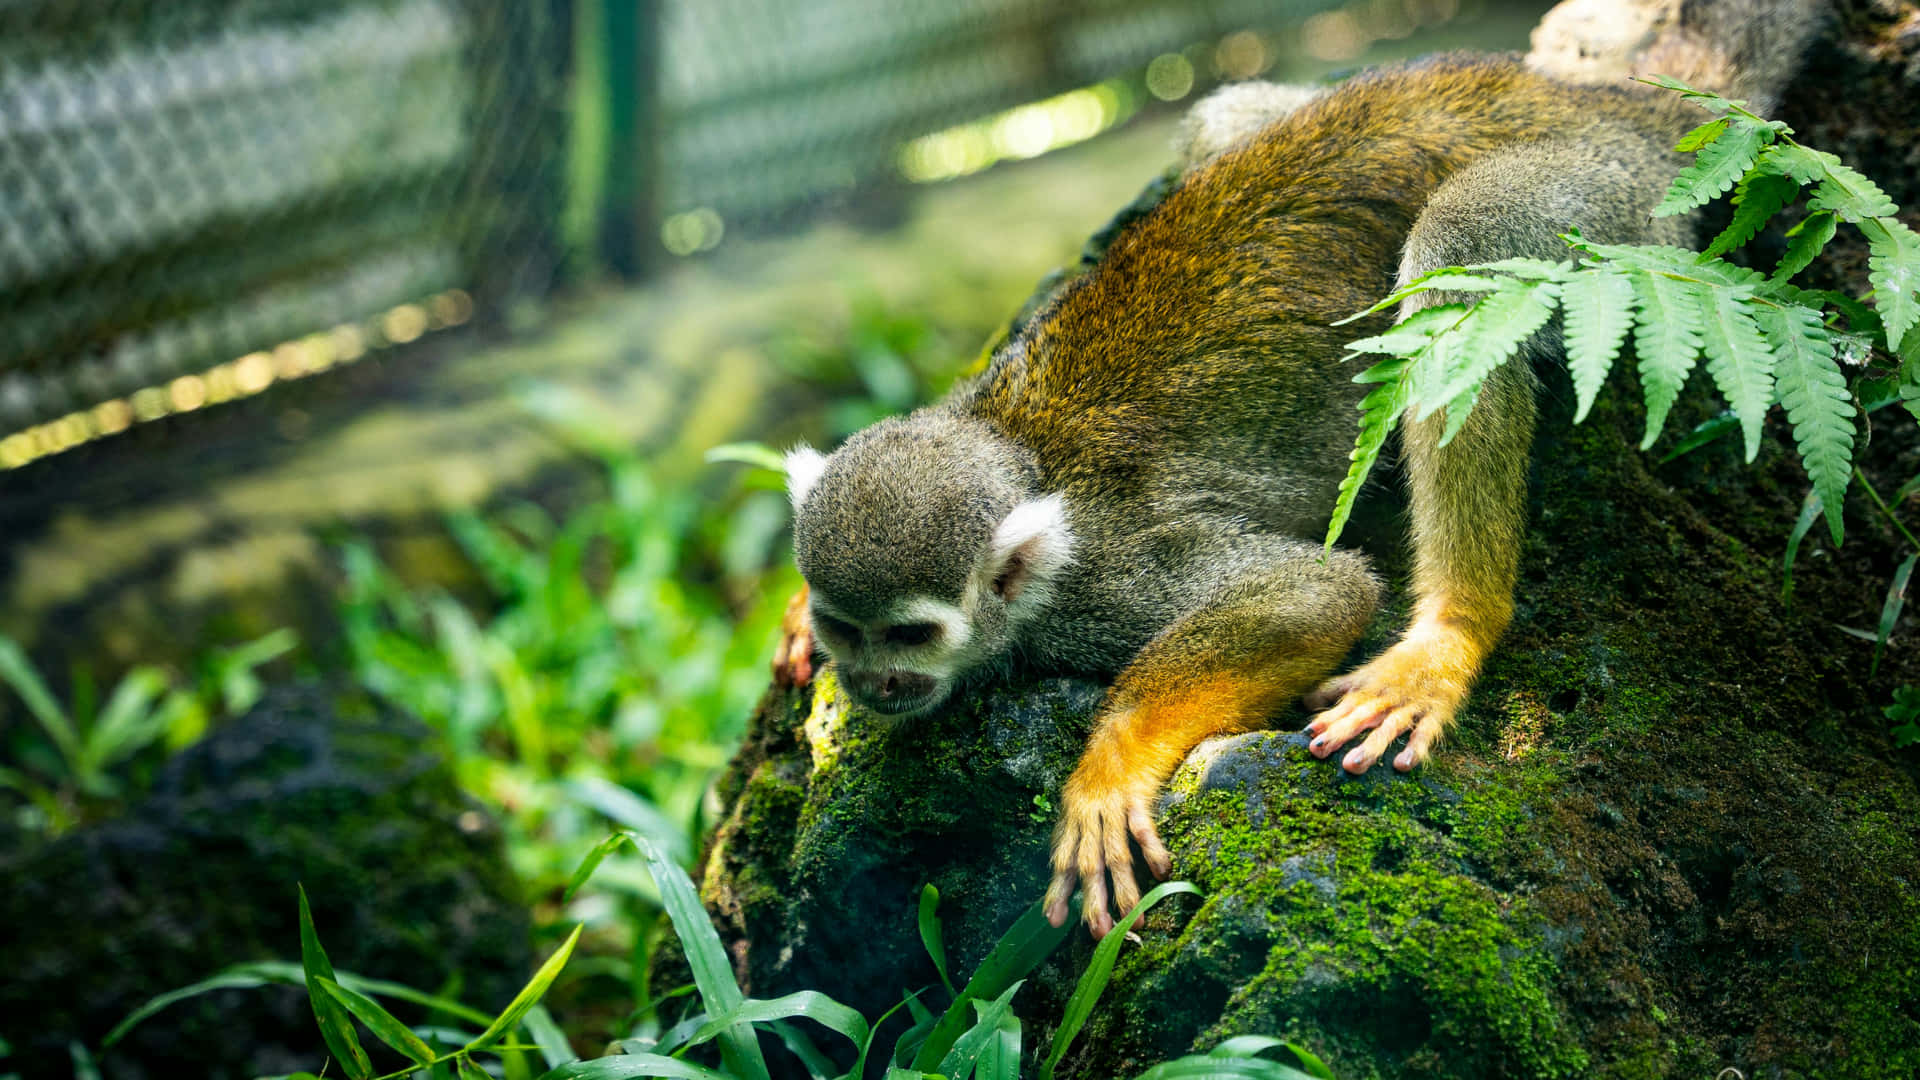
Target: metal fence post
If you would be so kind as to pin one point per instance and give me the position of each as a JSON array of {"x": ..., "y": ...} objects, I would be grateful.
[{"x": 629, "y": 213}]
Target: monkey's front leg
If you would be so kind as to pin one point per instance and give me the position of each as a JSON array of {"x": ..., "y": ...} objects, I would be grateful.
[
  {"x": 1224, "y": 668},
  {"x": 1469, "y": 513}
]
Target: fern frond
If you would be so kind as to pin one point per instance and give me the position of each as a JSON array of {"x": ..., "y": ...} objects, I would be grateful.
[
  {"x": 1411, "y": 334},
  {"x": 1380, "y": 410},
  {"x": 1666, "y": 335},
  {"x": 1693, "y": 140},
  {"x": 1597, "y": 306},
  {"x": 1706, "y": 99},
  {"x": 1714, "y": 170},
  {"x": 1674, "y": 262},
  {"x": 1758, "y": 197},
  {"x": 1893, "y": 266},
  {"x": 1849, "y": 194},
  {"x": 1532, "y": 269},
  {"x": 1444, "y": 279},
  {"x": 1802, "y": 164},
  {"x": 1814, "y": 391},
  {"x": 1737, "y": 358},
  {"x": 1498, "y": 324},
  {"x": 1805, "y": 241}
]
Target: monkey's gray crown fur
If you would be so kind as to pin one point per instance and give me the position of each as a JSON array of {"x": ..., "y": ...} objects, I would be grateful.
[{"x": 898, "y": 500}]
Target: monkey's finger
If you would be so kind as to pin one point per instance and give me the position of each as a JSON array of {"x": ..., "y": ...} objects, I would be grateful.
[
  {"x": 1126, "y": 887},
  {"x": 1376, "y": 744},
  {"x": 1344, "y": 721},
  {"x": 1094, "y": 906},
  {"x": 1140, "y": 823},
  {"x": 1065, "y": 877},
  {"x": 1420, "y": 743},
  {"x": 1327, "y": 693}
]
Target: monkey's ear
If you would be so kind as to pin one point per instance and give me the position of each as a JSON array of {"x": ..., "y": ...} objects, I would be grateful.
[
  {"x": 1030, "y": 547},
  {"x": 804, "y": 466}
]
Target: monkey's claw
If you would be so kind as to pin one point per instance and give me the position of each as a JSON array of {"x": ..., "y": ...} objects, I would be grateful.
[
  {"x": 793, "y": 657},
  {"x": 1092, "y": 846},
  {"x": 1412, "y": 689}
]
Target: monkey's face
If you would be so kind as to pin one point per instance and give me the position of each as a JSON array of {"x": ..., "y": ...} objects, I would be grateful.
[{"x": 922, "y": 563}]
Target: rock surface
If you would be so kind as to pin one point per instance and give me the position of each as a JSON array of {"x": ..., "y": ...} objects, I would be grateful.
[{"x": 408, "y": 881}]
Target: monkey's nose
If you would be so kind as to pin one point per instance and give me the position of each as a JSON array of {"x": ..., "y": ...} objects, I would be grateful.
[{"x": 893, "y": 689}]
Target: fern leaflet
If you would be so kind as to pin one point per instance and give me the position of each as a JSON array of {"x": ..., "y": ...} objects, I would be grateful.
[
  {"x": 1759, "y": 196},
  {"x": 1737, "y": 358},
  {"x": 1849, "y": 194},
  {"x": 1379, "y": 411},
  {"x": 1719, "y": 163},
  {"x": 1805, "y": 241},
  {"x": 1814, "y": 391},
  {"x": 1893, "y": 266},
  {"x": 1666, "y": 335},
  {"x": 1702, "y": 135},
  {"x": 1598, "y": 309},
  {"x": 1502, "y": 320}
]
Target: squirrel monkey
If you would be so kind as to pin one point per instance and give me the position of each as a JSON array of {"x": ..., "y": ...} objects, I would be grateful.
[{"x": 1131, "y": 487}]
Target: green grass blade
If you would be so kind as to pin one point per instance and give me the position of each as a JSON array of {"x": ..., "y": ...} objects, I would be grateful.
[
  {"x": 630, "y": 810},
  {"x": 1890, "y": 609},
  {"x": 225, "y": 980},
  {"x": 336, "y": 1027},
  {"x": 859, "y": 1070},
  {"x": 1810, "y": 510},
  {"x": 805, "y": 1004},
  {"x": 930, "y": 936},
  {"x": 128, "y": 722},
  {"x": 593, "y": 860},
  {"x": 960, "y": 1061},
  {"x": 802, "y": 1046},
  {"x": 529, "y": 995},
  {"x": 1000, "y": 1058},
  {"x": 1093, "y": 981},
  {"x": 1245, "y": 1046},
  {"x": 1706, "y": 431},
  {"x": 467, "y": 1070},
  {"x": 382, "y": 1023},
  {"x": 17, "y": 671},
  {"x": 624, "y": 1066},
  {"x": 1207, "y": 1067},
  {"x": 759, "y": 455},
  {"x": 739, "y": 1046},
  {"x": 554, "y": 1048},
  {"x": 1030, "y": 940}
]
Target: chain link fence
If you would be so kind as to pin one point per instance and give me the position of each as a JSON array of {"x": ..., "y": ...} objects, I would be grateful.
[{"x": 199, "y": 198}]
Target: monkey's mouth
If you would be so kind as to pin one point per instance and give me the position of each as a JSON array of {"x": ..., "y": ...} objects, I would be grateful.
[{"x": 898, "y": 705}]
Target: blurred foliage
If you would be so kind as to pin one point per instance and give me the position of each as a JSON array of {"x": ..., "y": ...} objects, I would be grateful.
[
  {"x": 879, "y": 364},
  {"x": 77, "y": 762}
]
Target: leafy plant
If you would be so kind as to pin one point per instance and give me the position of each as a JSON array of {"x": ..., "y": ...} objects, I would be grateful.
[
  {"x": 976, "y": 1035},
  {"x": 81, "y": 752},
  {"x": 1904, "y": 713},
  {"x": 1763, "y": 340}
]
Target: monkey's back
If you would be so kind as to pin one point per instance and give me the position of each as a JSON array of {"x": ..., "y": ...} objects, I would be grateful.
[{"x": 1201, "y": 343}]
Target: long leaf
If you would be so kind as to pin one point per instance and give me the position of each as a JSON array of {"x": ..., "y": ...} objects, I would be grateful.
[
  {"x": 634, "y": 812},
  {"x": 625, "y": 1066},
  {"x": 930, "y": 936},
  {"x": 1810, "y": 510},
  {"x": 1206, "y": 1067},
  {"x": 1000, "y": 1058},
  {"x": 1093, "y": 981},
  {"x": 1030, "y": 940},
  {"x": 959, "y": 1062},
  {"x": 1890, "y": 609},
  {"x": 739, "y": 1045},
  {"x": 554, "y": 1048},
  {"x": 806, "y": 1004},
  {"x": 382, "y": 1023},
  {"x": 336, "y": 1027},
  {"x": 529, "y": 995},
  {"x": 802, "y": 1046},
  {"x": 226, "y": 980},
  {"x": 17, "y": 671}
]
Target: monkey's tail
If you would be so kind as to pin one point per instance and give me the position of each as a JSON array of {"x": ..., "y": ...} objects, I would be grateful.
[{"x": 1747, "y": 49}]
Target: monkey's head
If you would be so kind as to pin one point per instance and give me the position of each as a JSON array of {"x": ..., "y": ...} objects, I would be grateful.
[{"x": 926, "y": 545}]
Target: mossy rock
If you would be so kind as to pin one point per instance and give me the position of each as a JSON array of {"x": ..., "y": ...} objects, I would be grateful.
[
  {"x": 1669, "y": 835},
  {"x": 408, "y": 880}
]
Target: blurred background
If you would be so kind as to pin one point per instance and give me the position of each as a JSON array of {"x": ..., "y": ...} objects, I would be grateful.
[{"x": 367, "y": 356}]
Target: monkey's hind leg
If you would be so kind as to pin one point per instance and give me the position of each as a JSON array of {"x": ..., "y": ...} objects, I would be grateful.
[
  {"x": 1263, "y": 636},
  {"x": 1469, "y": 496}
]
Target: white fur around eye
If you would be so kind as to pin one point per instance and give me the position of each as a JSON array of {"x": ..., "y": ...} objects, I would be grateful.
[{"x": 804, "y": 466}]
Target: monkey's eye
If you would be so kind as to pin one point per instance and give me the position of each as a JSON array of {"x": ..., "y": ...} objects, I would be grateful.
[
  {"x": 912, "y": 634},
  {"x": 839, "y": 628}
]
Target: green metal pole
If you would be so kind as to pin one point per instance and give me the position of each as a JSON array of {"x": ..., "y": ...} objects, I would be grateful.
[{"x": 629, "y": 45}]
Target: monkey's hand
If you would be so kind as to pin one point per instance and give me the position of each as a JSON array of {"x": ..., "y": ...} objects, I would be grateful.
[
  {"x": 793, "y": 657},
  {"x": 1108, "y": 801},
  {"x": 1416, "y": 686}
]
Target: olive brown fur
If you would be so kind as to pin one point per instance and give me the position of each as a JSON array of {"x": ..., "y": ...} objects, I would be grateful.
[{"x": 1130, "y": 488}]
